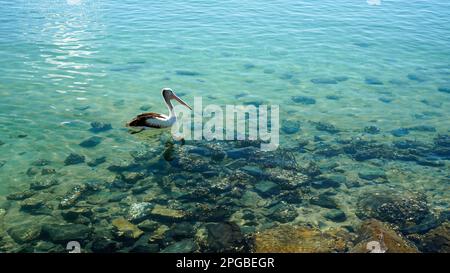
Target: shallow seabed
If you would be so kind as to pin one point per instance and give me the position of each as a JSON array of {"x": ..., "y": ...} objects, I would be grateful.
[{"x": 364, "y": 95}]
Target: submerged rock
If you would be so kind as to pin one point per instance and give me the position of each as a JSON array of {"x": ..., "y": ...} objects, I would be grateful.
[
  {"x": 436, "y": 240},
  {"x": 32, "y": 171},
  {"x": 267, "y": 188},
  {"x": 385, "y": 99},
  {"x": 303, "y": 100},
  {"x": 290, "y": 126},
  {"x": 324, "y": 200},
  {"x": 415, "y": 77},
  {"x": 442, "y": 140},
  {"x": 145, "y": 107},
  {"x": 74, "y": 214},
  {"x": 283, "y": 212},
  {"x": 47, "y": 171},
  {"x": 336, "y": 215},
  {"x": 373, "y": 81},
  {"x": 341, "y": 78},
  {"x": 404, "y": 209},
  {"x": 91, "y": 142},
  {"x": 400, "y": 132},
  {"x": 66, "y": 232},
  {"x": 224, "y": 237},
  {"x": 132, "y": 177},
  {"x": 97, "y": 161},
  {"x": 32, "y": 203},
  {"x": 20, "y": 195},
  {"x": 22, "y": 234},
  {"x": 286, "y": 179},
  {"x": 328, "y": 181},
  {"x": 41, "y": 162},
  {"x": 375, "y": 236},
  {"x": 73, "y": 195},
  {"x": 299, "y": 239},
  {"x": 324, "y": 81},
  {"x": 243, "y": 152},
  {"x": 167, "y": 214},
  {"x": 187, "y": 73},
  {"x": 97, "y": 126},
  {"x": 422, "y": 128},
  {"x": 73, "y": 159},
  {"x": 372, "y": 174},
  {"x": 333, "y": 97},
  {"x": 327, "y": 127},
  {"x": 183, "y": 246},
  {"x": 372, "y": 130},
  {"x": 181, "y": 231},
  {"x": 125, "y": 229},
  {"x": 139, "y": 211},
  {"x": 444, "y": 89},
  {"x": 148, "y": 225},
  {"x": 43, "y": 183}
]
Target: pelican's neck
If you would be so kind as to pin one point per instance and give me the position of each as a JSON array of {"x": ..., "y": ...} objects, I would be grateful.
[{"x": 170, "y": 107}]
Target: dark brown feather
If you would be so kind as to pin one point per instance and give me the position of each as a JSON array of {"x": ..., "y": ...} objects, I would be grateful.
[{"x": 141, "y": 120}]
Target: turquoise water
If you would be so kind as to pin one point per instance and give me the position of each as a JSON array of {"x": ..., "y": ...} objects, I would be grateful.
[{"x": 66, "y": 64}]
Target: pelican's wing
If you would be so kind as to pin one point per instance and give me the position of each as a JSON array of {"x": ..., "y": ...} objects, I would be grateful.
[{"x": 141, "y": 120}]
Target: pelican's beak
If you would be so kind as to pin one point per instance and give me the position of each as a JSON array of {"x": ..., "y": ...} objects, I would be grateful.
[{"x": 181, "y": 101}]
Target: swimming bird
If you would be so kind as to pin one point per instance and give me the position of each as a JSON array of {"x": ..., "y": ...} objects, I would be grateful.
[{"x": 158, "y": 121}]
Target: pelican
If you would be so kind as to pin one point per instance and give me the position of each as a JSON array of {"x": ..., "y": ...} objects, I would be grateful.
[{"x": 157, "y": 121}]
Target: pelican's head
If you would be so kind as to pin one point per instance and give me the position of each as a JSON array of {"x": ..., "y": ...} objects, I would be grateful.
[{"x": 168, "y": 94}]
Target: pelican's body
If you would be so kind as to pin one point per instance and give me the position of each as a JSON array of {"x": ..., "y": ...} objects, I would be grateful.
[{"x": 158, "y": 121}]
